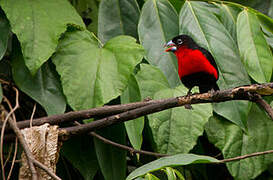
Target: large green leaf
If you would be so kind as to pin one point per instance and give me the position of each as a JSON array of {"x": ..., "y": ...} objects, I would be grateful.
[
  {"x": 158, "y": 24},
  {"x": 169, "y": 127},
  {"x": 177, "y": 4},
  {"x": 265, "y": 21},
  {"x": 44, "y": 87},
  {"x": 260, "y": 5},
  {"x": 176, "y": 130},
  {"x": 232, "y": 141},
  {"x": 92, "y": 76},
  {"x": 81, "y": 154},
  {"x": 255, "y": 52},
  {"x": 133, "y": 128},
  {"x": 228, "y": 16},
  {"x": 150, "y": 80},
  {"x": 112, "y": 160},
  {"x": 170, "y": 161},
  {"x": 205, "y": 28},
  {"x": 4, "y": 34},
  {"x": 38, "y": 25},
  {"x": 117, "y": 17}
]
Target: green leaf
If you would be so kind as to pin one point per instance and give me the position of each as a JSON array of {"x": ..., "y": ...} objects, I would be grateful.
[
  {"x": 255, "y": 52},
  {"x": 170, "y": 173},
  {"x": 206, "y": 29},
  {"x": 150, "y": 80},
  {"x": 172, "y": 161},
  {"x": 92, "y": 76},
  {"x": 38, "y": 25},
  {"x": 4, "y": 34},
  {"x": 228, "y": 16},
  {"x": 151, "y": 177},
  {"x": 135, "y": 127},
  {"x": 117, "y": 17},
  {"x": 81, "y": 154},
  {"x": 232, "y": 141},
  {"x": 265, "y": 21},
  {"x": 169, "y": 127},
  {"x": 44, "y": 87},
  {"x": 177, "y": 4},
  {"x": 178, "y": 174},
  {"x": 127, "y": 53},
  {"x": 258, "y": 5},
  {"x": 158, "y": 24},
  {"x": 112, "y": 160}
]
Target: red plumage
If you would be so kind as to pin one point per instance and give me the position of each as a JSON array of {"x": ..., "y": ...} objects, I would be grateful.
[
  {"x": 193, "y": 61},
  {"x": 196, "y": 66}
]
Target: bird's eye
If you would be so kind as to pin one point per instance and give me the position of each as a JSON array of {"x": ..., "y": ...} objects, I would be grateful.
[{"x": 179, "y": 41}]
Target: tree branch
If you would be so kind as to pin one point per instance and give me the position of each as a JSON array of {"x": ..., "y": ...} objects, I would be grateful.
[
  {"x": 83, "y": 114},
  {"x": 239, "y": 93},
  {"x": 264, "y": 105},
  {"x": 244, "y": 156},
  {"x": 43, "y": 167},
  {"x": 24, "y": 145},
  {"x": 121, "y": 146},
  {"x": 135, "y": 110}
]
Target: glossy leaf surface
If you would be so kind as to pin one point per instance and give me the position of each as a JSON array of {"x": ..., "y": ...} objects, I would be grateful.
[
  {"x": 92, "y": 76},
  {"x": 172, "y": 161},
  {"x": 157, "y": 25},
  {"x": 117, "y": 17},
  {"x": 256, "y": 54},
  {"x": 44, "y": 87},
  {"x": 38, "y": 25}
]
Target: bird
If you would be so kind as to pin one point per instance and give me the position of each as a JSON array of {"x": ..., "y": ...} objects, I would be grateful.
[{"x": 196, "y": 65}]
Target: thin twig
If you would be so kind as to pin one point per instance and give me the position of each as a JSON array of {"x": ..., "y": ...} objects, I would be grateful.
[
  {"x": 2, "y": 81},
  {"x": 48, "y": 171},
  {"x": 263, "y": 104},
  {"x": 7, "y": 159},
  {"x": 1, "y": 145},
  {"x": 32, "y": 115},
  {"x": 30, "y": 158},
  {"x": 30, "y": 123},
  {"x": 13, "y": 159},
  {"x": 5, "y": 122},
  {"x": 121, "y": 146},
  {"x": 132, "y": 150},
  {"x": 20, "y": 137},
  {"x": 245, "y": 156}
]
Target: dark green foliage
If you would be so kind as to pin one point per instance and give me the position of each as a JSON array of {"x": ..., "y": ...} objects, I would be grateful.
[{"x": 89, "y": 53}]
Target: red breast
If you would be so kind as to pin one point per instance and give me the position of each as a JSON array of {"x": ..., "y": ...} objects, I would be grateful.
[{"x": 192, "y": 61}]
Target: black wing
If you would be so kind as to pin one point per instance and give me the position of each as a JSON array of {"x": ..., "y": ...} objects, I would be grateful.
[{"x": 209, "y": 57}]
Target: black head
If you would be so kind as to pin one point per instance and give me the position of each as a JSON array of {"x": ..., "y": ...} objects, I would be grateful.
[{"x": 179, "y": 41}]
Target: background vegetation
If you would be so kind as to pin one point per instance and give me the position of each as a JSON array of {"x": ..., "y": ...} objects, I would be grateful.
[{"x": 88, "y": 53}]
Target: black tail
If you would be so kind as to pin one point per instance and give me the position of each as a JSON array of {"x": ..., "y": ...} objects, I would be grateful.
[{"x": 204, "y": 89}]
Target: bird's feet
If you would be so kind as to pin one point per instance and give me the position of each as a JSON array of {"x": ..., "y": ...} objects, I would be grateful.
[{"x": 188, "y": 106}]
